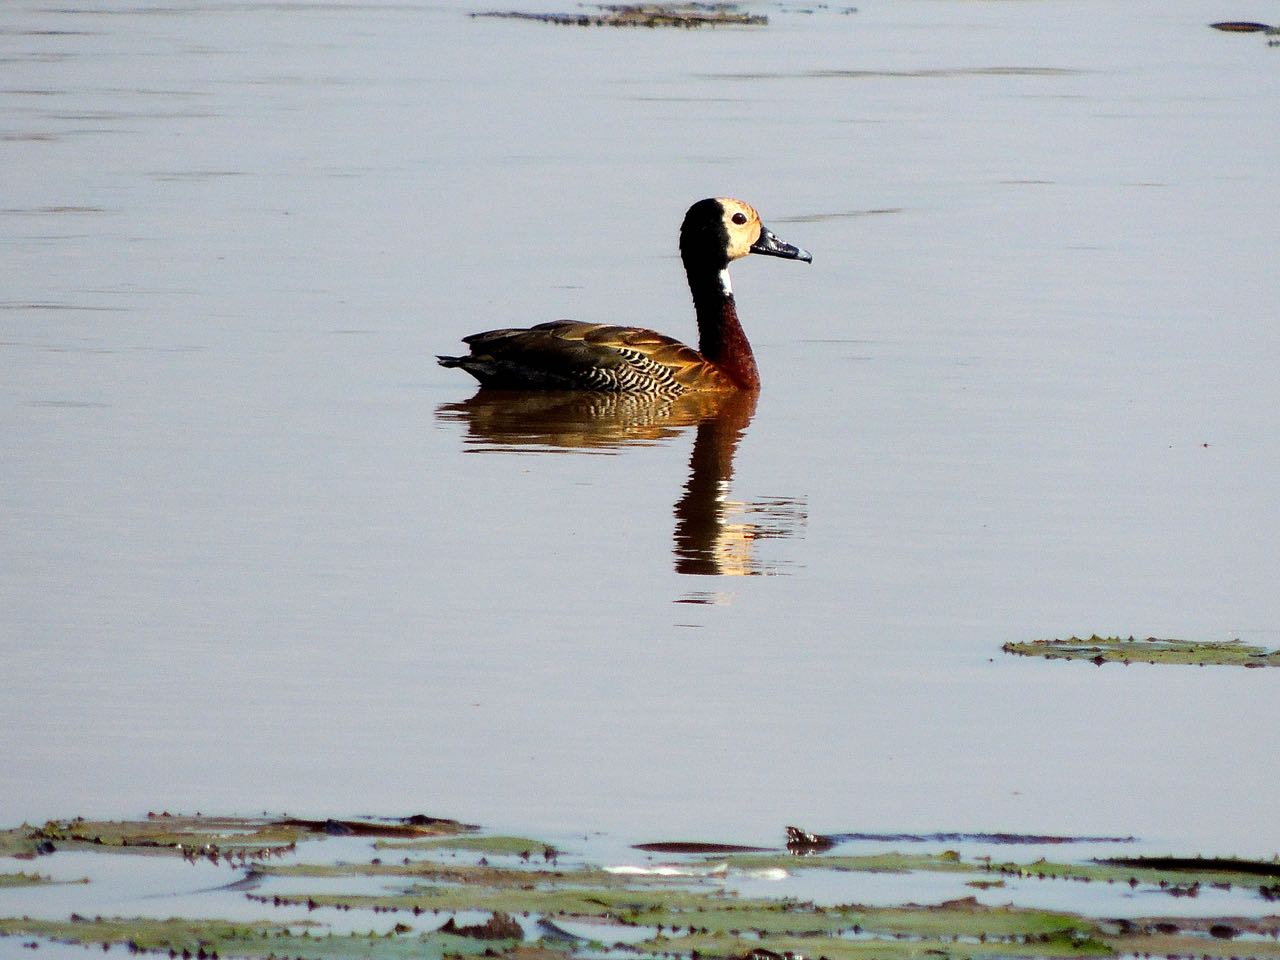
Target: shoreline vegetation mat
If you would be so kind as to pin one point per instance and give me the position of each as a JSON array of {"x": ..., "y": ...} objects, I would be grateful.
[
  {"x": 1126, "y": 650},
  {"x": 428, "y": 887}
]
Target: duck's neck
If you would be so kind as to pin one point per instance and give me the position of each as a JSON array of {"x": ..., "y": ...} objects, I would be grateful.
[{"x": 720, "y": 336}]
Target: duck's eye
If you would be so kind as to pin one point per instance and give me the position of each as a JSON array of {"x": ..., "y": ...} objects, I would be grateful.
[{"x": 739, "y": 218}]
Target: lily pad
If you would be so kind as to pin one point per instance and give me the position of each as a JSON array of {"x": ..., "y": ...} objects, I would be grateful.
[
  {"x": 668, "y": 907},
  {"x": 1100, "y": 650},
  {"x": 491, "y": 845},
  {"x": 1172, "y": 874},
  {"x": 220, "y": 938}
]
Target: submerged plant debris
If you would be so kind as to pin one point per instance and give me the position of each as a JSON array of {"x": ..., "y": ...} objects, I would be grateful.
[
  {"x": 1100, "y": 650},
  {"x": 440, "y": 897},
  {"x": 685, "y": 15}
]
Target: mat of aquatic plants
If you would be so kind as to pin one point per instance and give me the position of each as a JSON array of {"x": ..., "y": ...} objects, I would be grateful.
[
  {"x": 643, "y": 15},
  {"x": 1100, "y": 650},
  {"x": 435, "y": 888}
]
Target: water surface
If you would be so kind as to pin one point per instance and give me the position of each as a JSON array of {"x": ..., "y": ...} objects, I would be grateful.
[{"x": 259, "y": 552}]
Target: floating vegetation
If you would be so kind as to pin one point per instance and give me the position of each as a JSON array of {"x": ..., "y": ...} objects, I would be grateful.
[
  {"x": 201, "y": 837},
  {"x": 23, "y": 880},
  {"x": 686, "y": 15},
  {"x": 1168, "y": 874},
  {"x": 536, "y": 910},
  {"x": 1202, "y": 865},
  {"x": 891, "y": 947},
  {"x": 629, "y": 905},
  {"x": 1176, "y": 876},
  {"x": 521, "y": 847},
  {"x": 1100, "y": 650},
  {"x": 212, "y": 939}
]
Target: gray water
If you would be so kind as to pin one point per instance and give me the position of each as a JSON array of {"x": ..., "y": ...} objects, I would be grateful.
[{"x": 260, "y": 552}]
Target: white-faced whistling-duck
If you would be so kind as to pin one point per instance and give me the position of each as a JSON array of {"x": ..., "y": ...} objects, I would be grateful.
[{"x": 566, "y": 355}]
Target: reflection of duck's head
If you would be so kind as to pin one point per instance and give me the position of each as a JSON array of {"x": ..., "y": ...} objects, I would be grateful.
[{"x": 567, "y": 355}]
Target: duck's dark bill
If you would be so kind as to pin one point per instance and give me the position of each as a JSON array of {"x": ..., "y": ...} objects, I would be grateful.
[{"x": 771, "y": 246}]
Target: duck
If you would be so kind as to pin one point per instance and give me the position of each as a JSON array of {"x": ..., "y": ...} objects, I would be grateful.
[{"x": 571, "y": 355}]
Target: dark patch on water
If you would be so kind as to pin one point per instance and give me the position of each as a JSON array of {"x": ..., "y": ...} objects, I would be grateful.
[
  {"x": 929, "y": 73},
  {"x": 32, "y": 305},
  {"x": 40, "y": 211},
  {"x": 68, "y": 404},
  {"x": 1243, "y": 26},
  {"x": 695, "y": 846}
]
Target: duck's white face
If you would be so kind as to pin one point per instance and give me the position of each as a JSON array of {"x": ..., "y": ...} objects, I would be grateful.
[{"x": 742, "y": 226}]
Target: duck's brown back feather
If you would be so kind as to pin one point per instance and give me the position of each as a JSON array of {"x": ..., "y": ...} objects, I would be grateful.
[{"x": 565, "y": 354}]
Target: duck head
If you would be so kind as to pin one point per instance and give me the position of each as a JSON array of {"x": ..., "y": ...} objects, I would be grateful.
[{"x": 719, "y": 230}]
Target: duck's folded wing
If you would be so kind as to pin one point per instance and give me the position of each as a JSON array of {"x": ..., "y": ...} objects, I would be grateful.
[{"x": 569, "y": 355}]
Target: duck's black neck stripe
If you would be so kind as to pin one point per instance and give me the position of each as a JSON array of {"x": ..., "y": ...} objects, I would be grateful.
[{"x": 720, "y": 335}]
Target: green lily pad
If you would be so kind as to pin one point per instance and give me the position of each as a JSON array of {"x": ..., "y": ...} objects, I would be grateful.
[
  {"x": 1100, "y": 650},
  {"x": 220, "y": 938},
  {"x": 1168, "y": 873},
  {"x": 631, "y": 906}
]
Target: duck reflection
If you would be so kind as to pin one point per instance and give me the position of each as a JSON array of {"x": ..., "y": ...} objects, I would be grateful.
[{"x": 714, "y": 535}]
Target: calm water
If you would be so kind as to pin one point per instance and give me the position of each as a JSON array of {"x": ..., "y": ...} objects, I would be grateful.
[{"x": 260, "y": 552}]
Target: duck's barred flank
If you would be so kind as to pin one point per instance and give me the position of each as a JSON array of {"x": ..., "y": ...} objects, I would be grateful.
[
  {"x": 639, "y": 374},
  {"x": 568, "y": 355}
]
